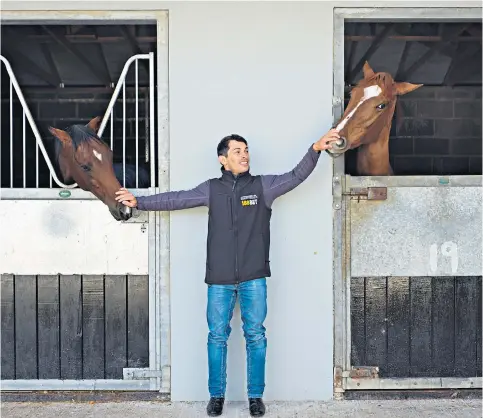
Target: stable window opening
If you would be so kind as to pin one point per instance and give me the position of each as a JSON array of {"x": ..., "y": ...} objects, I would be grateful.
[
  {"x": 436, "y": 129},
  {"x": 67, "y": 75}
]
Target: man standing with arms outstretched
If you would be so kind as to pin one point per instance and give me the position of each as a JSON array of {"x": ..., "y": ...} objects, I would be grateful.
[{"x": 238, "y": 247}]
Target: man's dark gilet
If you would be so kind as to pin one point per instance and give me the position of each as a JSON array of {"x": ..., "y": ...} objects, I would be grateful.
[{"x": 238, "y": 243}]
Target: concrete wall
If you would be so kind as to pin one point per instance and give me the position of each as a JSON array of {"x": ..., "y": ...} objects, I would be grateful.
[{"x": 263, "y": 70}]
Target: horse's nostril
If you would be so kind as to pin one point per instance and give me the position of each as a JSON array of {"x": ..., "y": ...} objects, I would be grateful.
[
  {"x": 125, "y": 212},
  {"x": 341, "y": 143},
  {"x": 121, "y": 212},
  {"x": 338, "y": 147}
]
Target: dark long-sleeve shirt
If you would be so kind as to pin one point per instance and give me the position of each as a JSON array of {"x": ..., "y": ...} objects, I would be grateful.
[{"x": 274, "y": 185}]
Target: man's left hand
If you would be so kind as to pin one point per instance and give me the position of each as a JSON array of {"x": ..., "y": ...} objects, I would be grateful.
[{"x": 327, "y": 140}]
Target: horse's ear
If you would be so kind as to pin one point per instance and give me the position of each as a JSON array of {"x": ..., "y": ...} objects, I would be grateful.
[
  {"x": 94, "y": 124},
  {"x": 404, "y": 88},
  {"x": 63, "y": 136},
  {"x": 368, "y": 71}
]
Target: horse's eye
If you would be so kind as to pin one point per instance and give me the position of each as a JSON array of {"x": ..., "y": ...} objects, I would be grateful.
[
  {"x": 381, "y": 106},
  {"x": 85, "y": 167}
]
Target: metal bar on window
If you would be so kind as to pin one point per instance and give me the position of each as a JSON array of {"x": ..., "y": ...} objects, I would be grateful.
[
  {"x": 24, "y": 152},
  {"x": 151, "y": 114},
  {"x": 117, "y": 90},
  {"x": 11, "y": 134},
  {"x": 112, "y": 129},
  {"x": 124, "y": 132},
  {"x": 37, "y": 166},
  {"x": 137, "y": 128},
  {"x": 28, "y": 115}
]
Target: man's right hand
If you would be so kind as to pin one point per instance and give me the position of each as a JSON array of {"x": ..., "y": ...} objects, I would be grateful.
[{"x": 126, "y": 197}]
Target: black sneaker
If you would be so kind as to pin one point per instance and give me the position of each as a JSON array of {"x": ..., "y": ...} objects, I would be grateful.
[
  {"x": 215, "y": 407},
  {"x": 257, "y": 408}
]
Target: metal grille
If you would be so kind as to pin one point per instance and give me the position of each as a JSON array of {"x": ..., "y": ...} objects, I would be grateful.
[{"x": 22, "y": 140}]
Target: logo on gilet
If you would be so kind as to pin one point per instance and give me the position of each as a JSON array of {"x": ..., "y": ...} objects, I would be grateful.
[{"x": 249, "y": 200}]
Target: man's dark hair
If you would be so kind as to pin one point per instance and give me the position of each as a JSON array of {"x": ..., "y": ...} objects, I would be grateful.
[{"x": 222, "y": 148}]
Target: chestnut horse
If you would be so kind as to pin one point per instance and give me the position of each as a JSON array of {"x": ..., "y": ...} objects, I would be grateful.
[
  {"x": 366, "y": 122},
  {"x": 85, "y": 159}
]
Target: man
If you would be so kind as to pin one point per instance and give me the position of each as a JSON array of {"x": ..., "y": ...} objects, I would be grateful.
[{"x": 238, "y": 247}]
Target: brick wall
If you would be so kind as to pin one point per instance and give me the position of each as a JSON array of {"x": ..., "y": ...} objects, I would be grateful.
[
  {"x": 436, "y": 131},
  {"x": 61, "y": 109}
]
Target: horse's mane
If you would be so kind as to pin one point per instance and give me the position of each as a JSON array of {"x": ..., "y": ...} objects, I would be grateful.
[{"x": 79, "y": 134}]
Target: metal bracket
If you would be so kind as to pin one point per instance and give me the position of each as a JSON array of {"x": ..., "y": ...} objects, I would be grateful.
[
  {"x": 367, "y": 193},
  {"x": 140, "y": 373},
  {"x": 337, "y": 192},
  {"x": 138, "y": 217},
  {"x": 337, "y": 108}
]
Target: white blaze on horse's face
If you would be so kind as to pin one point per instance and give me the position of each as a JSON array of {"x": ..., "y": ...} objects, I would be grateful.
[
  {"x": 98, "y": 155},
  {"x": 369, "y": 93}
]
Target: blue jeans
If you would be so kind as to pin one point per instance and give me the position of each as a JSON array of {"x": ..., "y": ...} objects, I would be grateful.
[{"x": 253, "y": 307}]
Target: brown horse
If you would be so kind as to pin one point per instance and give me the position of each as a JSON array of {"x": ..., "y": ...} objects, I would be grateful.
[
  {"x": 84, "y": 158},
  {"x": 366, "y": 122}
]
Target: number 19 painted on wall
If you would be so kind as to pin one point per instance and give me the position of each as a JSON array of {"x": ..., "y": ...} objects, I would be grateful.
[{"x": 448, "y": 249}]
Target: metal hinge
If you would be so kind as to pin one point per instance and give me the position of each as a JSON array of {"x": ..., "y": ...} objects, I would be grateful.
[
  {"x": 367, "y": 193},
  {"x": 140, "y": 374},
  {"x": 337, "y": 108},
  {"x": 338, "y": 380},
  {"x": 362, "y": 372}
]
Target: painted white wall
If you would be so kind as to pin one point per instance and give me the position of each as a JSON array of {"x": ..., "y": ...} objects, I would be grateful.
[
  {"x": 69, "y": 237},
  {"x": 263, "y": 71}
]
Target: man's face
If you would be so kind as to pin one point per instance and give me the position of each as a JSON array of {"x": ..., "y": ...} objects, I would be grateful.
[{"x": 237, "y": 160}]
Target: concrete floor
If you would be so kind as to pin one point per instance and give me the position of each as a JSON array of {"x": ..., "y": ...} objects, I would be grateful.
[{"x": 437, "y": 408}]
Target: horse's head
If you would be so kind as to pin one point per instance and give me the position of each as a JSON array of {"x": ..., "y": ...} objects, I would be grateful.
[
  {"x": 85, "y": 159},
  {"x": 370, "y": 110}
]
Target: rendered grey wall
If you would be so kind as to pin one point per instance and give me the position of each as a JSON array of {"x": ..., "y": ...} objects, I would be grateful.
[{"x": 263, "y": 71}]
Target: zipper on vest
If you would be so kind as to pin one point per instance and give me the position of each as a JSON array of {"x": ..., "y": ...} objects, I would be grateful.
[{"x": 235, "y": 229}]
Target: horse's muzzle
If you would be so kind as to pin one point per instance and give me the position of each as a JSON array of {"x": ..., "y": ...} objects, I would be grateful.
[
  {"x": 126, "y": 212},
  {"x": 121, "y": 212},
  {"x": 338, "y": 148}
]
